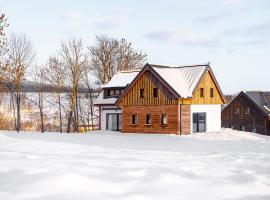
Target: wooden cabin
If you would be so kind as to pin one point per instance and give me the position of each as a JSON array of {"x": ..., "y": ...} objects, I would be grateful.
[
  {"x": 166, "y": 99},
  {"x": 248, "y": 111}
]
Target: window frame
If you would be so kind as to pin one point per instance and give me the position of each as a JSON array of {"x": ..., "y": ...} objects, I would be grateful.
[
  {"x": 247, "y": 111},
  {"x": 237, "y": 111},
  {"x": 141, "y": 93},
  {"x": 146, "y": 119},
  {"x": 136, "y": 119},
  {"x": 212, "y": 92},
  {"x": 164, "y": 116},
  {"x": 155, "y": 92},
  {"x": 201, "y": 92}
]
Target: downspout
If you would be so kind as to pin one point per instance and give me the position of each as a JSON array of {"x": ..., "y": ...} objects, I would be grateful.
[{"x": 181, "y": 117}]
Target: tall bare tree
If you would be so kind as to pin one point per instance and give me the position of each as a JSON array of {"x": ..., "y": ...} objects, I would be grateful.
[
  {"x": 74, "y": 59},
  {"x": 3, "y": 47},
  {"x": 110, "y": 55},
  {"x": 55, "y": 75},
  {"x": 20, "y": 57}
]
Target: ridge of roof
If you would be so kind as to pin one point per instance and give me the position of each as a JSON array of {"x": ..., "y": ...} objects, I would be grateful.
[{"x": 177, "y": 66}]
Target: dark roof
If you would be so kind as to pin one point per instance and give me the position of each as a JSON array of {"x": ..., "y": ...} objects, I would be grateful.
[{"x": 262, "y": 99}]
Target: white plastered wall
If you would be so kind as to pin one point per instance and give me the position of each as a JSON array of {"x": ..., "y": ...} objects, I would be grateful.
[
  {"x": 213, "y": 116},
  {"x": 104, "y": 111}
]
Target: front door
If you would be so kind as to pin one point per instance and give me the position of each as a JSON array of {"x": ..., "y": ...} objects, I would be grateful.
[
  {"x": 199, "y": 122},
  {"x": 114, "y": 121}
]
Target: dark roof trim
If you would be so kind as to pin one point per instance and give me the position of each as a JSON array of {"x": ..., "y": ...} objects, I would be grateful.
[{"x": 150, "y": 68}]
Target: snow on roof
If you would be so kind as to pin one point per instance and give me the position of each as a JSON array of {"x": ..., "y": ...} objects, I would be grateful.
[
  {"x": 261, "y": 98},
  {"x": 182, "y": 79},
  {"x": 101, "y": 100},
  {"x": 122, "y": 79}
]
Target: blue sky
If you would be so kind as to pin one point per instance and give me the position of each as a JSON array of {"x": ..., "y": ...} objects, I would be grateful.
[{"x": 234, "y": 35}]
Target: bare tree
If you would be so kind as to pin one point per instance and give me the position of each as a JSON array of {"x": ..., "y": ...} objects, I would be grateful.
[
  {"x": 55, "y": 75},
  {"x": 111, "y": 55},
  {"x": 3, "y": 48},
  {"x": 89, "y": 96},
  {"x": 20, "y": 57},
  {"x": 74, "y": 59},
  {"x": 39, "y": 80}
]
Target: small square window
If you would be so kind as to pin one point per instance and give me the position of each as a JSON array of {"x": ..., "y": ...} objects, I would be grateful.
[
  {"x": 148, "y": 119},
  {"x": 164, "y": 120},
  {"x": 134, "y": 119},
  {"x": 201, "y": 92},
  {"x": 141, "y": 93},
  {"x": 155, "y": 92},
  {"x": 111, "y": 92},
  {"x": 117, "y": 92},
  {"x": 237, "y": 111},
  {"x": 247, "y": 111},
  {"x": 211, "y": 92}
]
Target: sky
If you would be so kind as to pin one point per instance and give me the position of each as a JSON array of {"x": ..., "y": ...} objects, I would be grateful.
[{"x": 233, "y": 35}]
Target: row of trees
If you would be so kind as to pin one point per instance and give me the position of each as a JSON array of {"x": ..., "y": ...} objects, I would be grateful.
[{"x": 72, "y": 67}]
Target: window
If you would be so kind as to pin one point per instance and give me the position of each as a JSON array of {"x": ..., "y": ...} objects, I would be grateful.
[
  {"x": 134, "y": 119},
  {"x": 111, "y": 92},
  {"x": 148, "y": 119},
  {"x": 141, "y": 93},
  {"x": 254, "y": 128},
  {"x": 237, "y": 111},
  {"x": 201, "y": 92},
  {"x": 117, "y": 92},
  {"x": 211, "y": 92},
  {"x": 164, "y": 120},
  {"x": 155, "y": 92},
  {"x": 247, "y": 111}
]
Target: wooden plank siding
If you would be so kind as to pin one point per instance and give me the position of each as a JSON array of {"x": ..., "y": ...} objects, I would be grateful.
[
  {"x": 254, "y": 119},
  {"x": 207, "y": 82},
  {"x": 147, "y": 82},
  {"x": 171, "y": 111}
]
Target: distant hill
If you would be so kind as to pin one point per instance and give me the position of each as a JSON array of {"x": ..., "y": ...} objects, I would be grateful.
[{"x": 31, "y": 86}]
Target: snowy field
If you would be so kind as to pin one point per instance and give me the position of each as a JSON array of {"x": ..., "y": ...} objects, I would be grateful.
[{"x": 113, "y": 166}]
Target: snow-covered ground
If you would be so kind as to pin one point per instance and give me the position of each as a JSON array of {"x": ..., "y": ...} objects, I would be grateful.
[{"x": 113, "y": 166}]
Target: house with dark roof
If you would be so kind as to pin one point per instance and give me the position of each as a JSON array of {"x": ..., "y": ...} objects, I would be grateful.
[
  {"x": 163, "y": 99},
  {"x": 248, "y": 111}
]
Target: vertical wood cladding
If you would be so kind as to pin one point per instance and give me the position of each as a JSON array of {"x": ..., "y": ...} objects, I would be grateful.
[
  {"x": 185, "y": 119},
  {"x": 172, "y": 112},
  {"x": 207, "y": 82},
  {"x": 255, "y": 118},
  {"x": 147, "y": 82}
]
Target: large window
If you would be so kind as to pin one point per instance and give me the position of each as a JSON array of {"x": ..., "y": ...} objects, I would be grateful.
[
  {"x": 148, "y": 119},
  {"x": 134, "y": 119},
  {"x": 164, "y": 120},
  {"x": 155, "y": 92},
  {"x": 201, "y": 92},
  {"x": 141, "y": 93}
]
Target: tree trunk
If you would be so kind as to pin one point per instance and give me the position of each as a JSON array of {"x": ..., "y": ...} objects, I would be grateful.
[
  {"x": 14, "y": 111},
  {"x": 41, "y": 111},
  {"x": 18, "y": 103},
  {"x": 60, "y": 113},
  {"x": 69, "y": 121}
]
